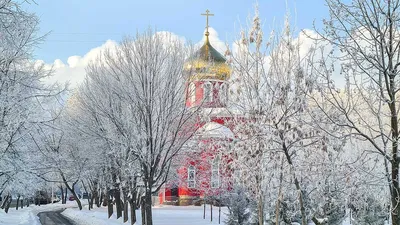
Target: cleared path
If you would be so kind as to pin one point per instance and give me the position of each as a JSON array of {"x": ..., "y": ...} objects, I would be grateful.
[{"x": 54, "y": 218}]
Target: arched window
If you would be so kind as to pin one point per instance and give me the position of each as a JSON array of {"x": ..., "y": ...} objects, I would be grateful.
[
  {"x": 192, "y": 92},
  {"x": 223, "y": 95},
  {"x": 191, "y": 181},
  {"x": 208, "y": 92},
  {"x": 215, "y": 173}
]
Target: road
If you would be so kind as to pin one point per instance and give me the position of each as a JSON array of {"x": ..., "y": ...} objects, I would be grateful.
[{"x": 54, "y": 218}]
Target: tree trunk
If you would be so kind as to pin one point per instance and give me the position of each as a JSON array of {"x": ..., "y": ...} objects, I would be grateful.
[
  {"x": 16, "y": 208},
  {"x": 302, "y": 208},
  {"x": 204, "y": 208},
  {"x": 5, "y": 200},
  {"x": 395, "y": 194},
  {"x": 72, "y": 190},
  {"x": 278, "y": 202},
  {"x": 90, "y": 205},
  {"x": 22, "y": 203},
  {"x": 78, "y": 201},
  {"x": 118, "y": 202},
  {"x": 143, "y": 210},
  {"x": 219, "y": 211},
  {"x": 109, "y": 205},
  {"x": 8, "y": 204},
  {"x": 261, "y": 210},
  {"x": 126, "y": 210},
  {"x": 296, "y": 181},
  {"x": 104, "y": 199},
  {"x": 211, "y": 212},
  {"x": 148, "y": 209},
  {"x": 66, "y": 195},
  {"x": 280, "y": 196},
  {"x": 395, "y": 163},
  {"x": 97, "y": 198},
  {"x": 132, "y": 203},
  {"x": 392, "y": 89},
  {"x": 90, "y": 201},
  {"x": 62, "y": 195}
]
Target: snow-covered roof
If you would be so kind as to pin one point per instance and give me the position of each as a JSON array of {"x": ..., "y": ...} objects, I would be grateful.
[
  {"x": 222, "y": 112},
  {"x": 215, "y": 130}
]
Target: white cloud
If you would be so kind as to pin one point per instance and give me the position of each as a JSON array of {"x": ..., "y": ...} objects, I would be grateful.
[
  {"x": 169, "y": 36},
  {"x": 58, "y": 64},
  {"x": 73, "y": 71},
  {"x": 217, "y": 43},
  {"x": 74, "y": 61}
]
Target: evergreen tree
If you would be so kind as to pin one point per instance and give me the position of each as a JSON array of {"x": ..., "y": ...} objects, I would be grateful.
[{"x": 239, "y": 206}]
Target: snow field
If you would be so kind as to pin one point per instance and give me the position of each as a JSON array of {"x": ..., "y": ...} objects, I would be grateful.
[
  {"x": 162, "y": 215},
  {"x": 28, "y": 215}
]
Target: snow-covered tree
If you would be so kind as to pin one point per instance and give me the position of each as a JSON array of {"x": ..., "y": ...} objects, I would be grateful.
[
  {"x": 24, "y": 96},
  {"x": 279, "y": 145},
  {"x": 60, "y": 156},
  {"x": 135, "y": 94},
  {"x": 364, "y": 40},
  {"x": 240, "y": 207}
]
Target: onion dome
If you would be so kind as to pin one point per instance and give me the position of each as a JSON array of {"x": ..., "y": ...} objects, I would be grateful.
[
  {"x": 208, "y": 53},
  {"x": 207, "y": 62}
]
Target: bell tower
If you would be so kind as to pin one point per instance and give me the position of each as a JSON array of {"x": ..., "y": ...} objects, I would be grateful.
[{"x": 207, "y": 86}]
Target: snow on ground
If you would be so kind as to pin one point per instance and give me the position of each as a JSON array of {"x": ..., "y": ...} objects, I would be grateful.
[
  {"x": 162, "y": 215},
  {"x": 28, "y": 215}
]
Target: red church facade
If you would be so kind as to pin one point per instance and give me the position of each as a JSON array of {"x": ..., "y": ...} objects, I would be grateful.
[{"x": 202, "y": 170}]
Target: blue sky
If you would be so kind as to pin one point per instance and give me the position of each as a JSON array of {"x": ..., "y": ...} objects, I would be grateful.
[{"x": 77, "y": 26}]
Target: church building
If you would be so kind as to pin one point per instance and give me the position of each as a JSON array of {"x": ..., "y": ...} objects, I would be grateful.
[{"x": 202, "y": 170}]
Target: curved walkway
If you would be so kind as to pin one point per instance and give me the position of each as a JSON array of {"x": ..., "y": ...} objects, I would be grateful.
[{"x": 54, "y": 218}]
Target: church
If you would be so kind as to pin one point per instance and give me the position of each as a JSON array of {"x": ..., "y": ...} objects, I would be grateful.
[{"x": 202, "y": 170}]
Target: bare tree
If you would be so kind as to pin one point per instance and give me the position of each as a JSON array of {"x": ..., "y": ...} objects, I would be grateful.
[
  {"x": 137, "y": 92},
  {"x": 24, "y": 96},
  {"x": 59, "y": 157},
  {"x": 364, "y": 40},
  {"x": 277, "y": 145}
]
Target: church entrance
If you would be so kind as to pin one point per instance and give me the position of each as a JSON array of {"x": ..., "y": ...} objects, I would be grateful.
[{"x": 174, "y": 192}]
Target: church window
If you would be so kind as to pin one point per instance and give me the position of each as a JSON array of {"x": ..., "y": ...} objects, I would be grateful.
[
  {"x": 191, "y": 182},
  {"x": 215, "y": 173},
  {"x": 208, "y": 92},
  {"x": 223, "y": 97},
  {"x": 192, "y": 92}
]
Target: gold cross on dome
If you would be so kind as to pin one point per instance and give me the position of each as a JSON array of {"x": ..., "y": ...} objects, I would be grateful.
[{"x": 207, "y": 14}]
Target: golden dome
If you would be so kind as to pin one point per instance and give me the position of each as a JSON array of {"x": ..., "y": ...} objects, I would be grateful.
[{"x": 208, "y": 63}]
